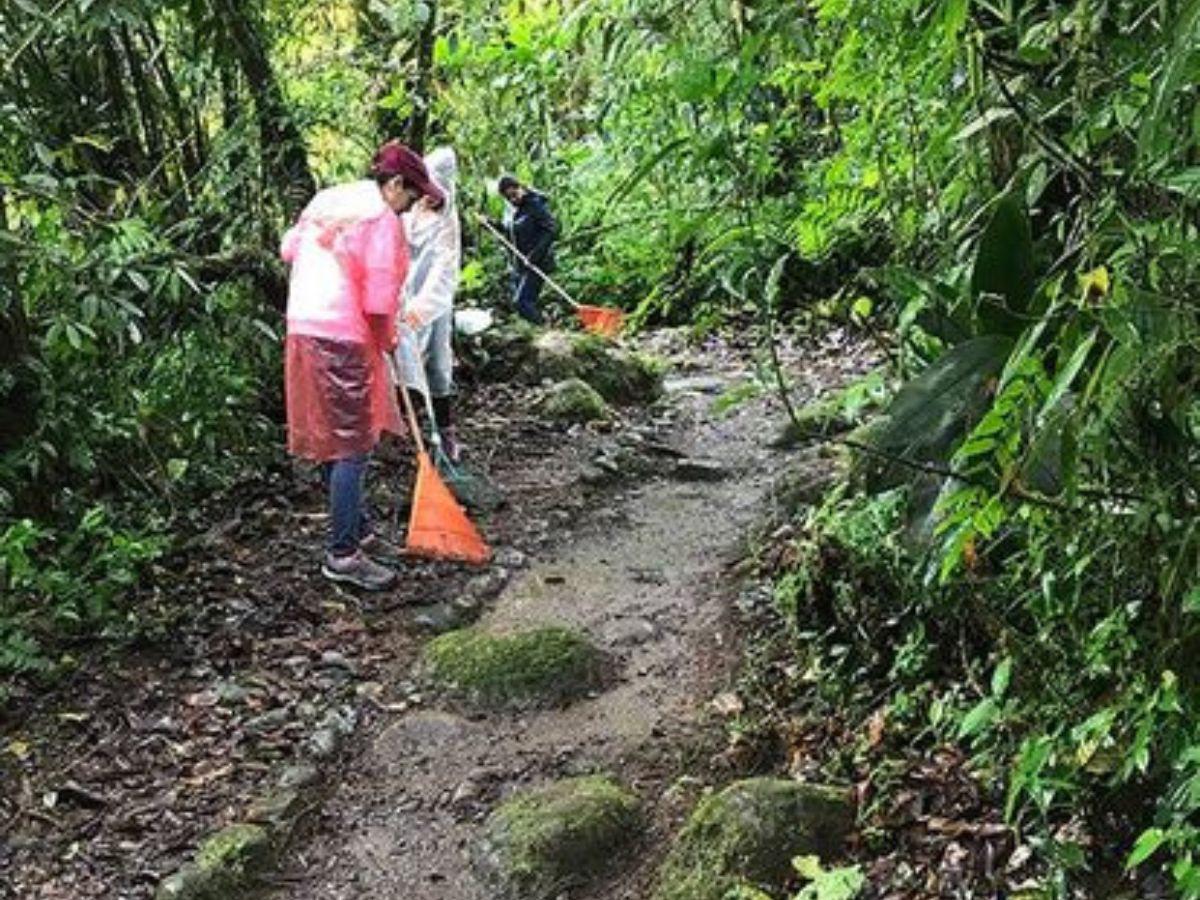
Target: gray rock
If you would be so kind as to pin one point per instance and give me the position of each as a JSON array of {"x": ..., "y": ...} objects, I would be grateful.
[
  {"x": 189, "y": 883},
  {"x": 699, "y": 384},
  {"x": 269, "y": 721},
  {"x": 630, "y": 632},
  {"x": 277, "y": 811},
  {"x": 299, "y": 776},
  {"x": 327, "y": 739},
  {"x": 334, "y": 660},
  {"x": 441, "y": 617},
  {"x": 595, "y": 476},
  {"x": 510, "y": 558},
  {"x": 489, "y": 584},
  {"x": 230, "y": 693}
]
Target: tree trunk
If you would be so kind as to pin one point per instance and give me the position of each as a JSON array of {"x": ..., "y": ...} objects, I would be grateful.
[
  {"x": 416, "y": 129},
  {"x": 285, "y": 157}
]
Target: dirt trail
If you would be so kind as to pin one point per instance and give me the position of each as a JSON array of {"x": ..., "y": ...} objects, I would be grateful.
[{"x": 643, "y": 577}]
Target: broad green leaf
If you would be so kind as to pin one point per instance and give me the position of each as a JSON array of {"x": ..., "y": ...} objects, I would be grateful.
[
  {"x": 1001, "y": 677},
  {"x": 1149, "y": 842},
  {"x": 980, "y": 717},
  {"x": 1191, "y": 601},
  {"x": 1002, "y": 281},
  {"x": 1186, "y": 182},
  {"x": 1154, "y": 140},
  {"x": 1062, "y": 383}
]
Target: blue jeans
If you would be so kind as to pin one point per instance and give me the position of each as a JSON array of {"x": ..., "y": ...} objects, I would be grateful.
[
  {"x": 348, "y": 522},
  {"x": 527, "y": 287}
]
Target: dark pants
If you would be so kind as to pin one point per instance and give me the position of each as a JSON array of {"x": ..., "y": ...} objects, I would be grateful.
[
  {"x": 348, "y": 522},
  {"x": 527, "y": 287}
]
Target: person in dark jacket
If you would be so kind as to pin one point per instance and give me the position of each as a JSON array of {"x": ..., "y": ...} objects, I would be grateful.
[{"x": 531, "y": 228}]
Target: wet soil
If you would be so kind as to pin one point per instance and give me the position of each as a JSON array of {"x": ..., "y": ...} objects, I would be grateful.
[{"x": 647, "y": 577}]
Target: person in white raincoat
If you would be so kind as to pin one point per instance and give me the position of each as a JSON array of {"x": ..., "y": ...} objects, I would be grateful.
[{"x": 435, "y": 245}]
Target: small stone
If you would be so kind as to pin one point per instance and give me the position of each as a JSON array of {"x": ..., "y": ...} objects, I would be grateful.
[
  {"x": 510, "y": 558},
  {"x": 327, "y": 738},
  {"x": 189, "y": 883},
  {"x": 322, "y": 743},
  {"x": 630, "y": 632},
  {"x": 594, "y": 476},
  {"x": 230, "y": 692},
  {"x": 276, "y": 810},
  {"x": 693, "y": 469},
  {"x": 333, "y": 659},
  {"x": 299, "y": 776},
  {"x": 698, "y": 384},
  {"x": 268, "y": 721},
  {"x": 486, "y": 586},
  {"x": 728, "y": 704},
  {"x": 440, "y": 617},
  {"x": 466, "y": 791}
]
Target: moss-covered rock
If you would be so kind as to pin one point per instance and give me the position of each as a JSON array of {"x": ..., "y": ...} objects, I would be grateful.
[
  {"x": 546, "y": 665},
  {"x": 503, "y": 353},
  {"x": 749, "y": 833},
  {"x": 546, "y": 840},
  {"x": 235, "y": 851},
  {"x": 618, "y": 375},
  {"x": 575, "y": 401},
  {"x": 224, "y": 866}
]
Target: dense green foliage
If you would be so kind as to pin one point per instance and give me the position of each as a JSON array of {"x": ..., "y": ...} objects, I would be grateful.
[{"x": 1006, "y": 193}]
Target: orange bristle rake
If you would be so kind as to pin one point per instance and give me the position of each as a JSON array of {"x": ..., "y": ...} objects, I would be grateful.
[{"x": 438, "y": 527}]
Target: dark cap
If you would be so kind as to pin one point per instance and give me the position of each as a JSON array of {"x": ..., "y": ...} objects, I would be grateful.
[{"x": 394, "y": 158}]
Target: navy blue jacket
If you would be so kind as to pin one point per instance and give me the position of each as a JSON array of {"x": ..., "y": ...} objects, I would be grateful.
[{"x": 532, "y": 229}]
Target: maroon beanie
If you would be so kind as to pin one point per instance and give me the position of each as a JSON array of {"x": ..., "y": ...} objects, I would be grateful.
[{"x": 394, "y": 158}]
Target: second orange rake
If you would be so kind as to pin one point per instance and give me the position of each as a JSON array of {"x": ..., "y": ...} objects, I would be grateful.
[{"x": 606, "y": 321}]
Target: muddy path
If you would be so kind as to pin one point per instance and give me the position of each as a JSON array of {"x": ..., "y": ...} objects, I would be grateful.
[{"x": 646, "y": 575}]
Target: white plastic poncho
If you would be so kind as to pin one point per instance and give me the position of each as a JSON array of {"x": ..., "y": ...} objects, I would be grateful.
[{"x": 435, "y": 247}]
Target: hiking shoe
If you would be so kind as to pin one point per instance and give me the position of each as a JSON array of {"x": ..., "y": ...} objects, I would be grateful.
[
  {"x": 359, "y": 570},
  {"x": 381, "y": 549}
]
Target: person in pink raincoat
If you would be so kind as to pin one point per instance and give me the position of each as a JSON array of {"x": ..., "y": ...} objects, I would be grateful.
[{"x": 349, "y": 260}]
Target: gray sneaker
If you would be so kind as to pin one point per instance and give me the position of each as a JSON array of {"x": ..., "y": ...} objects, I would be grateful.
[{"x": 359, "y": 570}]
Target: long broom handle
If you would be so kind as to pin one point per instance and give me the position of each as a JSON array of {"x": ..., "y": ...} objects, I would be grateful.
[
  {"x": 409, "y": 412},
  {"x": 523, "y": 258}
]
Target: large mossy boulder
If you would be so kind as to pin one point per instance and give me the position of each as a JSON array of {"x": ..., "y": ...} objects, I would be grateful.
[
  {"x": 620, "y": 376},
  {"x": 749, "y": 834},
  {"x": 503, "y": 353},
  {"x": 573, "y": 401},
  {"x": 547, "y": 840},
  {"x": 540, "y": 667}
]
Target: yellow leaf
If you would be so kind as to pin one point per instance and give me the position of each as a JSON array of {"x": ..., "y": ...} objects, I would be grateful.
[
  {"x": 1095, "y": 284},
  {"x": 19, "y": 749}
]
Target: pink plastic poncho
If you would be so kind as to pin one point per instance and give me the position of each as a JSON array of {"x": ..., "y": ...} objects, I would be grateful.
[{"x": 349, "y": 260}]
